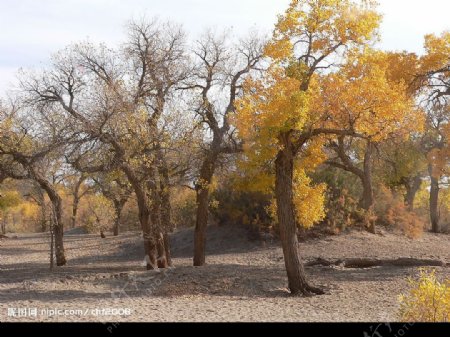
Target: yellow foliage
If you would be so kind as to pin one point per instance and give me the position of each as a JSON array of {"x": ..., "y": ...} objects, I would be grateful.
[
  {"x": 437, "y": 50},
  {"x": 329, "y": 23},
  {"x": 363, "y": 97},
  {"x": 309, "y": 200},
  {"x": 428, "y": 299}
]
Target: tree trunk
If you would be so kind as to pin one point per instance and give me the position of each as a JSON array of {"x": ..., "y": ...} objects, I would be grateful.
[
  {"x": 149, "y": 240},
  {"x": 167, "y": 247},
  {"x": 166, "y": 209},
  {"x": 412, "y": 187},
  {"x": 118, "y": 207},
  {"x": 43, "y": 209},
  {"x": 156, "y": 221},
  {"x": 160, "y": 247},
  {"x": 58, "y": 227},
  {"x": 76, "y": 201},
  {"x": 144, "y": 218},
  {"x": 58, "y": 230},
  {"x": 201, "y": 225},
  {"x": 367, "y": 199},
  {"x": 288, "y": 228},
  {"x": 434, "y": 201}
]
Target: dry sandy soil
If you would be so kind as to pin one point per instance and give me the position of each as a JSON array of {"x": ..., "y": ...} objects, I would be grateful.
[{"x": 243, "y": 281}]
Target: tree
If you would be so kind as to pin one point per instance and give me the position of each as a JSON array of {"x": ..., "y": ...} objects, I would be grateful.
[
  {"x": 78, "y": 189},
  {"x": 434, "y": 77},
  {"x": 221, "y": 66},
  {"x": 116, "y": 102},
  {"x": 277, "y": 117},
  {"x": 387, "y": 112},
  {"x": 403, "y": 165},
  {"x": 115, "y": 188},
  {"x": 24, "y": 148}
]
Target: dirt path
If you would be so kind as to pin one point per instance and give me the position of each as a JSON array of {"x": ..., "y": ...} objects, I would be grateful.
[{"x": 243, "y": 281}]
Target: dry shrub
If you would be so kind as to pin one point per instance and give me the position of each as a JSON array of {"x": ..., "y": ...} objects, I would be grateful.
[
  {"x": 343, "y": 210},
  {"x": 391, "y": 210},
  {"x": 428, "y": 299}
]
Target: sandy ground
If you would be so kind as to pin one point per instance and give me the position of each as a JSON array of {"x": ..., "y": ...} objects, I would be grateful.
[{"x": 243, "y": 281}]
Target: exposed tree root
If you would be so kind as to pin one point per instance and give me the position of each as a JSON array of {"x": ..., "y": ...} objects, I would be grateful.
[{"x": 367, "y": 263}]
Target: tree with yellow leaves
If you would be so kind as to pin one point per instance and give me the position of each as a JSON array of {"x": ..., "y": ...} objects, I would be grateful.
[
  {"x": 369, "y": 98},
  {"x": 279, "y": 117},
  {"x": 434, "y": 80}
]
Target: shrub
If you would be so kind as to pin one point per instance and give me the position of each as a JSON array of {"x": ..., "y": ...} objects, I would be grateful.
[
  {"x": 428, "y": 299},
  {"x": 184, "y": 207},
  {"x": 391, "y": 210},
  {"x": 241, "y": 208},
  {"x": 343, "y": 210}
]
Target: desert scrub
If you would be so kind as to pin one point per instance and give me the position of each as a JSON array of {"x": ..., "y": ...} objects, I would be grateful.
[{"x": 428, "y": 299}]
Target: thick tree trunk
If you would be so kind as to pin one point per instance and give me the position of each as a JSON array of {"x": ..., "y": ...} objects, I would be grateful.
[
  {"x": 144, "y": 218},
  {"x": 288, "y": 228},
  {"x": 58, "y": 230},
  {"x": 202, "y": 189},
  {"x": 149, "y": 240},
  {"x": 434, "y": 202},
  {"x": 412, "y": 187},
  {"x": 160, "y": 247}
]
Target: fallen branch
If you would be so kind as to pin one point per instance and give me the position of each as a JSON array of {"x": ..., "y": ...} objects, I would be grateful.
[{"x": 368, "y": 263}]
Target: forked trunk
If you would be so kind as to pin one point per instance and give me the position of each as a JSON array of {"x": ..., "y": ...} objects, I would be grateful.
[
  {"x": 412, "y": 187},
  {"x": 288, "y": 228}
]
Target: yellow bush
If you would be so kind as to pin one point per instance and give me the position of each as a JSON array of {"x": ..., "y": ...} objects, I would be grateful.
[{"x": 427, "y": 301}]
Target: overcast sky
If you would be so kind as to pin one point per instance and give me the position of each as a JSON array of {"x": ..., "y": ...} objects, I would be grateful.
[{"x": 30, "y": 30}]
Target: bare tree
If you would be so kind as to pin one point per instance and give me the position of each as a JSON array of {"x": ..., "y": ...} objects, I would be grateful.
[
  {"x": 115, "y": 102},
  {"x": 221, "y": 70}
]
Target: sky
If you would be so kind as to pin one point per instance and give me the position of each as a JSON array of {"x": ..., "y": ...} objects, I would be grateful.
[{"x": 31, "y": 30}]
